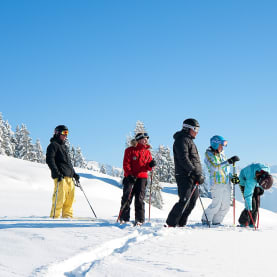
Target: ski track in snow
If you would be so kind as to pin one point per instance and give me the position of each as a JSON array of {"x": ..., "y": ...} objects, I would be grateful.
[{"x": 82, "y": 263}]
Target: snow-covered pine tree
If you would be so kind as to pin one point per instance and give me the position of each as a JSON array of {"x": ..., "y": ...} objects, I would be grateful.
[
  {"x": 103, "y": 169},
  {"x": 8, "y": 139},
  {"x": 76, "y": 156},
  {"x": 129, "y": 139},
  {"x": 23, "y": 144},
  {"x": 19, "y": 144},
  {"x": 2, "y": 151},
  {"x": 155, "y": 188},
  {"x": 40, "y": 157},
  {"x": 165, "y": 165},
  {"x": 140, "y": 128},
  {"x": 79, "y": 159},
  {"x": 72, "y": 154}
]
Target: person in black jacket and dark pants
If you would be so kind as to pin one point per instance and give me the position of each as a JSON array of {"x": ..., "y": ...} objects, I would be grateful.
[
  {"x": 62, "y": 171},
  {"x": 188, "y": 172}
]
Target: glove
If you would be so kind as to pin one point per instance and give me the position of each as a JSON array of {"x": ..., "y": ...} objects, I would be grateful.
[
  {"x": 131, "y": 179},
  {"x": 152, "y": 163},
  {"x": 233, "y": 159},
  {"x": 198, "y": 178},
  {"x": 76, "y": 177},
  {"x": 235, "y": 179},
  {"x": 258, "y": 191},
  {"x": 60, "y": 177}
]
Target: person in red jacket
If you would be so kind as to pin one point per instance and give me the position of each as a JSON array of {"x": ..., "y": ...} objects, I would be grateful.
[{"x": 136, "y": 164}]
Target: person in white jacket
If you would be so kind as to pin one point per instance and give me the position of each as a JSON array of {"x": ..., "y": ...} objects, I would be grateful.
[{"x": 219, "y": 170}]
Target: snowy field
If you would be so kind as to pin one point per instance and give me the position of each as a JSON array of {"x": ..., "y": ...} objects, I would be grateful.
[{"x": 32, "y": 244}]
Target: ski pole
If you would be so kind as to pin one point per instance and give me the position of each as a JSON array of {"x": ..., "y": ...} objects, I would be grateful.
[
  {"x": 234, "y": 197},
  {"x": 250, "y": 215},
  {"x": 150, "y": 192},
  {"x": 124, "y": 205},
  {"x": 56, "y": 199},
  {"x": 186, "y": 204},
  {"x": 258, "y": 204},
  {"x": 249, "y": 212},
  {"x": 81, "y": 188},
  {"x": 258, "y": 218},
  {"x": 204, "y": 212}
]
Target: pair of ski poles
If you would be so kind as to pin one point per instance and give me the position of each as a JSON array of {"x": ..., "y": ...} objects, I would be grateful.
[
  {"x": 234, "y": 204},
  {"x": 130, "y": 195},
  {"x": 150, "y": 192},
  {"x": 187, "y": 202},
  {"x": 77, "y": 184}
]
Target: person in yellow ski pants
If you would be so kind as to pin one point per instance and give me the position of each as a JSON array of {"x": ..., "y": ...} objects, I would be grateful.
[
  {"x": 65, "y": 198},
  {"x": 62, "y": 172}
]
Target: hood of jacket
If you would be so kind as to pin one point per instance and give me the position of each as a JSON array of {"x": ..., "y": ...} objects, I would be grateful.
[
  {"x": 57, "y": 139},
  {"x": 182, "y": 133}
]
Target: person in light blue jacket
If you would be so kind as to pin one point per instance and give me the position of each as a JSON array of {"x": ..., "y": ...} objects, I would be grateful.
[
  {"x": 254, "y": 179},
  {"x": 219, "y": 170}
]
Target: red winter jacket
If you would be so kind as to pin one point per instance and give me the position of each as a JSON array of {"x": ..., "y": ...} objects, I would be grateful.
[{"x": 136, "y": 161}]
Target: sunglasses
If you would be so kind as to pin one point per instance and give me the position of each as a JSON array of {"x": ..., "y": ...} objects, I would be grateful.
[{"x": 64, "y": 132}]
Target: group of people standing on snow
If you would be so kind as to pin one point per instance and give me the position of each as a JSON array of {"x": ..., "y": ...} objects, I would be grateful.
[{"x": 253, "y": 179}]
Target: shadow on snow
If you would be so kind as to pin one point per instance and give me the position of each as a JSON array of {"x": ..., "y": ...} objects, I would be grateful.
[
  {"x": 106, "y": 180},
  {"x": 49, "y": 223},
  {"x": 172, "y": 190}
]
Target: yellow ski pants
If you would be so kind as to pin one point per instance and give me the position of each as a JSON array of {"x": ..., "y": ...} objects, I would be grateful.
[{"x": 65, "y": 198}]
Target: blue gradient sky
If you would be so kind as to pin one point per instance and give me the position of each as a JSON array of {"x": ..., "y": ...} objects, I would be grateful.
[{"x": 99, "y": 66}]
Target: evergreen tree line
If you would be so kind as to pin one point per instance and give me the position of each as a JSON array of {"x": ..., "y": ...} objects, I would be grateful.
[{"x": 19, "y": 145}]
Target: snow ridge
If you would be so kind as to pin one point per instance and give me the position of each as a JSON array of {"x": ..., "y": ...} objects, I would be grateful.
[{"x": 82, "y": 263}]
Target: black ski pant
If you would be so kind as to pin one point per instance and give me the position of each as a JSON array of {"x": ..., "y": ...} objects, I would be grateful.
[
  {"x": 130, "y": 190},
  {"x": 178, "y": 216},
  {"x": 244, "y": 217}
]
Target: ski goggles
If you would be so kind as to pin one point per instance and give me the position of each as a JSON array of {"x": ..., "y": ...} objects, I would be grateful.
[
  {"x": 64, "y": 132},
  {"x": 224, "y": 143},
  {"x": 141, "y": 136},
  {"x": 194, "y": 128}
]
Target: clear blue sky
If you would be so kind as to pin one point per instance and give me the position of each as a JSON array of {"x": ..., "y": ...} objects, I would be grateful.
[{"x": 99, "y": 66}]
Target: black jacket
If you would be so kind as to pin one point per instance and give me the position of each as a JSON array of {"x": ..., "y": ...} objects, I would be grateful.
[
  {"x": 186, "y": 157},
  {"x": 58, "y": 160}
]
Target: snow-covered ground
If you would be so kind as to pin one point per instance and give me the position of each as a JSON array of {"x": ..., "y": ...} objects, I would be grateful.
[{"x": 32, "y": 244}]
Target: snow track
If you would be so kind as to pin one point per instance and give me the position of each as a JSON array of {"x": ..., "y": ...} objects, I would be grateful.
[
  {"x": 82, "y": 263},
  {"x": 88, "y": 262}
]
